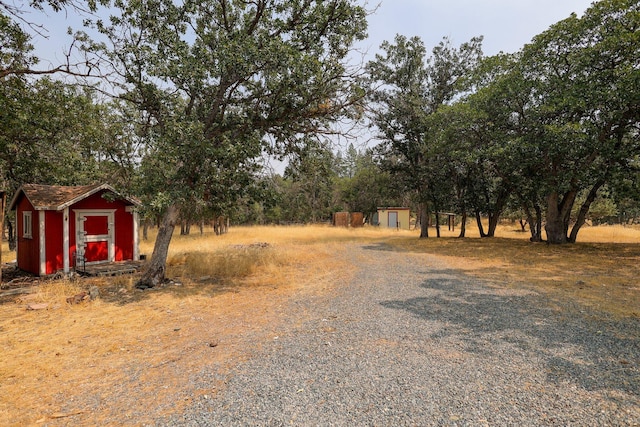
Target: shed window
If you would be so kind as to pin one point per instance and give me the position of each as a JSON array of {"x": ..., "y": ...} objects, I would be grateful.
[{"x": 27, "y": 230}]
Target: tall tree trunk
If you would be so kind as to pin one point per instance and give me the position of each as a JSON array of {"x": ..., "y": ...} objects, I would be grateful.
[
  {"x": 154, "y": 274},
  {"x": 538, "y": 234},
  {"x": 554, "y": 226},
  {"x": 11, "y": 236},
  {"x": 584, "y": 209},
  {"x": 438, "y": 224},
  {"x": 185, "y": 228},
  {"x": 3, "y": 199},
  {"x": 463, "y": 225},
  {"x": 424, "y": 220},
  {"x": 494, "y": 218},
  {"x": 145, "y": 230},
  {"x": 535, "y": 223},
  {"x": 558, "y": 216}
]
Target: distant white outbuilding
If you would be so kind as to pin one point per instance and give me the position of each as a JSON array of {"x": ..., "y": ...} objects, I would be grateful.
[{"x": 391, "y": 217}]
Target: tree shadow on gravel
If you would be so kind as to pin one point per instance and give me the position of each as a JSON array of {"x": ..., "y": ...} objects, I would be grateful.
[
  {"x": 585, "y": 348},
  {"x": 384, "y": 247}
]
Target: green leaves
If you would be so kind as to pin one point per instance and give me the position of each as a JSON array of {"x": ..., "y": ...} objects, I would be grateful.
[
  {"x": 48, "y": 133},
  {"x": 16, "y": 53},
  {"x": 218, "y": 82},
  {"x": 408, "y": 90}
]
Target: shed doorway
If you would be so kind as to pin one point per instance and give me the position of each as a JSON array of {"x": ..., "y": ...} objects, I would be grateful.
[
  {"x": 393, "y": 220},
  {"x": 95, "y": 242}
]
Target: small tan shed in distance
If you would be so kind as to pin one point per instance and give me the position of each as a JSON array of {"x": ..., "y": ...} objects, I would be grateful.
[{"x": 399, "y": 218}]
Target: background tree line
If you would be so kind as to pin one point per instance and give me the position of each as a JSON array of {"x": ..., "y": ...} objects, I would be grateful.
[
  {"x": 178, "y": 103},
  {"x": 545, "y": 130}
]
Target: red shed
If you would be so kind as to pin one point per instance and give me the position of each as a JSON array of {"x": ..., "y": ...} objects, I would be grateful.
[{"x": 56, "y": 226}]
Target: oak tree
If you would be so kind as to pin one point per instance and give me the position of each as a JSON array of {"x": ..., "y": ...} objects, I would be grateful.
[
  {"x": 407, "y": 88},
  {"x": 217, "y": 82},
  {"x": 584, "y": 100}
]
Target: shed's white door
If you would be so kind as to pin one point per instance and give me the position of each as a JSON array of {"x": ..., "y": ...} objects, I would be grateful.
[
  {"x": 95, "y": 242},
  {"x": 393, "y": 219}
]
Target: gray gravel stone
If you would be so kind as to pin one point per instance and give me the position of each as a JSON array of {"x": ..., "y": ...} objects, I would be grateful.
[{"x": 410, "y": 342}]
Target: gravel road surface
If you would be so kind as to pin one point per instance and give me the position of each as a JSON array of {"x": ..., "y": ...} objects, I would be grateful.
[{"x": 412, "y": 342}]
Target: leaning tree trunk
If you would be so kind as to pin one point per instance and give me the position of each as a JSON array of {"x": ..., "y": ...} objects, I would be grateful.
[
  {"x": 584, "y": 209},
  {"x": 494, "y": 216},
  {"x": 523, "y": 223},
  {"x": 480, "y": 226},
  {"x": 154, "y": 274}
]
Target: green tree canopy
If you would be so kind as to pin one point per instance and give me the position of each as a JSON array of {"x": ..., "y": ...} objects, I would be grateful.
[
  {"x": 218, "y": 82},
  {"x": 583, "y": 107},
  {"x": 407, "y": 89}
]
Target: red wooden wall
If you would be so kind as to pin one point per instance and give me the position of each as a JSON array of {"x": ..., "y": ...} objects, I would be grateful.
[
  {"x": 29, "y": 250},
  {"x": 28, "y": 256}
]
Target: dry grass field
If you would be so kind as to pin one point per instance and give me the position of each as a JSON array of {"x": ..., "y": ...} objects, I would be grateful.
[
  {"x": 59, "y": 362},
  {"x": 601, "y": 270}
]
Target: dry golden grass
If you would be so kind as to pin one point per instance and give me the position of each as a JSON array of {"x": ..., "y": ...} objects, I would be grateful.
[
  {"x": 600, "y": 271},
  {"x": 259, "y": 255},
  {"x": 74, "y": 363},
  {"x": 7, "y": 255},
  {"x": 58, "y": 361}
]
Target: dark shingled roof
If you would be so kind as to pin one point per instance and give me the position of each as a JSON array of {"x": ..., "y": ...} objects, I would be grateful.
[{"x": 58, "y": 197}]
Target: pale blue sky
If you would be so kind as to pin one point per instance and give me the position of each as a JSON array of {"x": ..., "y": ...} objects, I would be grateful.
[{"x": 505, "y": 24}]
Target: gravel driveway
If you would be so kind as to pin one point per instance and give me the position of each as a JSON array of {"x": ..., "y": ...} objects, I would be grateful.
[{"x": 412, "y": 342}]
